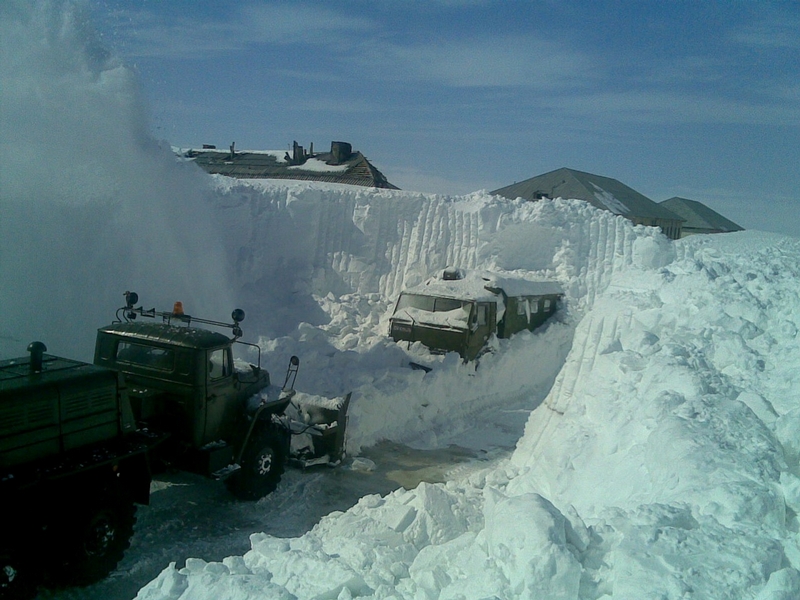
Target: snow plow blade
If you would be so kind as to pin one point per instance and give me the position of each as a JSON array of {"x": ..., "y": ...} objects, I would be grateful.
[{"x": 318, "y": 428}]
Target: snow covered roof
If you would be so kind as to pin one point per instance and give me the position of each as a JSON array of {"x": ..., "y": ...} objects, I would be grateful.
[
  {"x": 603, "y": 192},
  {"x": 482, "y": 285},
  {"x": 340, "y": 165},
  {"x": 699, "y": 217}
]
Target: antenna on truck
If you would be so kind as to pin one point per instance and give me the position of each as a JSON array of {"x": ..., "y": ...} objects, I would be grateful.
[{"x": 129, "y": 312}]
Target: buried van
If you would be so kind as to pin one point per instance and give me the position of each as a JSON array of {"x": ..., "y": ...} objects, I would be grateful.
[{"x": 459, "y": 310}]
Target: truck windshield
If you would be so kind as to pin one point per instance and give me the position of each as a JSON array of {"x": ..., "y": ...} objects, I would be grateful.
[
  {"x": 151, "y": 357},
  {"x": 430, "y": 303},
  {"x": 431, "y": 310}
]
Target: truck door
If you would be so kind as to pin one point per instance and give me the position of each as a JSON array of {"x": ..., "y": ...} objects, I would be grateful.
[
  {"x": 481, "y": 327},
  {"x": 220, "y": 395}
]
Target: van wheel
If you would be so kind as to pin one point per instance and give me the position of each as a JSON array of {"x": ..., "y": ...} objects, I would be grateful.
[
  {"x": 262, "y": 465},
  {"x": 96, "y": 536}
]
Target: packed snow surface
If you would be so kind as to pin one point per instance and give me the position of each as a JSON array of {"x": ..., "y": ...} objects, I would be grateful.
[{"x": 661, "y": 456}]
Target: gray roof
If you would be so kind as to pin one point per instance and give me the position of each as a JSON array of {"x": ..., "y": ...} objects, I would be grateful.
[
  {"x": 351, "y": 168},
  {"x": 602, "y": 192},
  {"x": 700, "y": 217}
]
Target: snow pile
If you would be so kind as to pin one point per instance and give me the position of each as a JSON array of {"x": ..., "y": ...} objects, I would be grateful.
[
  {"x": 662, "y": 463},
  {"x": 324, "y": 265}
]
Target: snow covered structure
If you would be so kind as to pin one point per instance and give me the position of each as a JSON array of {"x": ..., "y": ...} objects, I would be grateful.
[
  {"x": 340, "y": 165},
  {"x": 699, "y": 218},
  {"x": 458, "y": 310},
  {"x": 603, "y": 192}
]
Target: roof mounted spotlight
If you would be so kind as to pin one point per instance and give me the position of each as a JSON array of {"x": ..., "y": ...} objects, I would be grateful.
[
  {"x": 238, "y": 316},
  {"x": 131, "y": 298}
]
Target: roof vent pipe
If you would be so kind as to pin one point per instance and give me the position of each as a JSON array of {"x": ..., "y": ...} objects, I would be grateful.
[
  {"x": 452, "y": 274},
  {"x": 37, "y": 350}
]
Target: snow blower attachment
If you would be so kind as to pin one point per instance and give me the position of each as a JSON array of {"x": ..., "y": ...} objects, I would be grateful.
[{"x": 318, "y": 427}]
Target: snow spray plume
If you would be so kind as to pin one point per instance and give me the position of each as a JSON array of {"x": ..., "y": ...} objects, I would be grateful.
[{"x": 90, "y": 203}]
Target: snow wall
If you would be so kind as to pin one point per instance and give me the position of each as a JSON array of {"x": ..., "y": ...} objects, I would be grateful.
[
  {"x": 661, "y": 457},
  {"x": 322, "y": 265}
]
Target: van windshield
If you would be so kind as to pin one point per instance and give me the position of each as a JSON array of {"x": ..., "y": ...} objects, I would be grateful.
[{"x": 433, "y": 310}]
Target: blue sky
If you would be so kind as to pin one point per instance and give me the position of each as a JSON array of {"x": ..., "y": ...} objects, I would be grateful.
[{"x": 674, "y": 98}]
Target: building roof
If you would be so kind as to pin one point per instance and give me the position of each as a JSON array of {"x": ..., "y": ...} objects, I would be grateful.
[
  {"x": 700, "y": 217},
  {"x": 340, "y": 165},
  {"x": 602, "y": 192}
]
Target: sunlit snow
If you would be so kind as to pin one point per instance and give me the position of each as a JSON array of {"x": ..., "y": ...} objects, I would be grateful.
[{"x": 660, "y": 459}]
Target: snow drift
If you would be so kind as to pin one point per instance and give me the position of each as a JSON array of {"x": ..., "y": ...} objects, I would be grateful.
[{"x": 661, "y": 462}]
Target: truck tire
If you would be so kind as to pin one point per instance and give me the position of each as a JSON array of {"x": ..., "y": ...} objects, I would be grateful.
[
  {"x": 262, "y": 465},
  {"x": 96, "y": 536},
  {"x": 16, "y": 582}
]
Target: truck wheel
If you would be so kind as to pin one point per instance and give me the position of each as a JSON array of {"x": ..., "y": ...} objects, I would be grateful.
[
  {"x": 97, "y": 536},
  {"x": 262, "y": 466},
  {"x": 15, "y": 584}
]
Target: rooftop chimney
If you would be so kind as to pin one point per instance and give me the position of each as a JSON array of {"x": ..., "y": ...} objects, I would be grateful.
[{"x": 340, "y": 152}]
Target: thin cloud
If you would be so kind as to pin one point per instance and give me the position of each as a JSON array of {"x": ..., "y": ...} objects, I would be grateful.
[
  {"x": 495, "y": 62},
  {"x": 666, "y": 107},
  {"x": 147, "y": 34},
  {"x": 776, "y": 32}
]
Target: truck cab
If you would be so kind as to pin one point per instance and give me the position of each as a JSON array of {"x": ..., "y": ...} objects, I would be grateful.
[
  {"x": 182, "y": 381},
  {"x": 179, "y": 378},
  {"x": 459, "y": 310},
  {"x": 443, "y": 323}
]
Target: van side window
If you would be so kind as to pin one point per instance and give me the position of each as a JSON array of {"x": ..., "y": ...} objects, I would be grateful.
[
  {"x": 218, "y": 364},
  {"x": 483, "y": 314}
]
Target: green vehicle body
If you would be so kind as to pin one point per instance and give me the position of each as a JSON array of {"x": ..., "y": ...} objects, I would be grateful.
[
  {"x": 182, "y": 380},
  {"x": 459, "y": 311},
  {"x": 72, "y": 465},
  {"x": 79, "y": 442}
]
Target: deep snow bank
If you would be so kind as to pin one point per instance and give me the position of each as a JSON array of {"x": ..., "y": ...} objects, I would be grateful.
[
  {"x": 663, "y": 462},
  {"x": 321, "y": 266}
]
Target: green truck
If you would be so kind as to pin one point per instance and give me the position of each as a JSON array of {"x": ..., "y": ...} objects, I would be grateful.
[
  {"x": 79, "y": 442},
  {"x": 459, "y": 310}
]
